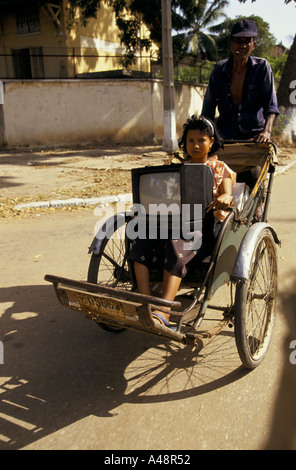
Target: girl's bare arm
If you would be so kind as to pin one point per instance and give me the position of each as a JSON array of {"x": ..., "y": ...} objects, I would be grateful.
[{"x": 225, "y": 199}]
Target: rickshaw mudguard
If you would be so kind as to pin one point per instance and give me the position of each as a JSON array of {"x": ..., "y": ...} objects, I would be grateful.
[
  {"x": 243, "y": 260},
  {"x": 231, "y": 236}
]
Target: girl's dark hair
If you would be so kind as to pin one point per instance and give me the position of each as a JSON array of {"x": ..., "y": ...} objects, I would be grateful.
[{"x": 206, "y": 126}]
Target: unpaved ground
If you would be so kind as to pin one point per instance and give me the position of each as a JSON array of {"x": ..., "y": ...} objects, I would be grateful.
[
  {"x": 28, "y": 176},
  {"x": 40, "y": 175}
]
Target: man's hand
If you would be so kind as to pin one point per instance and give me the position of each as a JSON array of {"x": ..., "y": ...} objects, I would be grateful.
[{"x": 263, "y": 137}]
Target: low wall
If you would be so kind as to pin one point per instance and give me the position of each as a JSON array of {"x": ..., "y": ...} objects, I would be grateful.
[{"x": 68, "y": 112}]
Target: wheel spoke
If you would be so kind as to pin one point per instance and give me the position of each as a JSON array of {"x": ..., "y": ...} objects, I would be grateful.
[{"x": 111, "y": 267}]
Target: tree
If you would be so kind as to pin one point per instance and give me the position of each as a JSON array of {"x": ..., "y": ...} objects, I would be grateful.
[
  {"x": 197, "y": 16},
  {"x": 286, "y": 97},
  {"x": 284, "y": 90}
]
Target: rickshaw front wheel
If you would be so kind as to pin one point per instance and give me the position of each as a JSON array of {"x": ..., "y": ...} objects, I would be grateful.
[
  {"x": 110, "y": 266},
  {"x": 255, "y": 303}
]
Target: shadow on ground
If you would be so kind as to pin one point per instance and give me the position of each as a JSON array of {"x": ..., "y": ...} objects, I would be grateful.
[{"x": 59, "y": 368}]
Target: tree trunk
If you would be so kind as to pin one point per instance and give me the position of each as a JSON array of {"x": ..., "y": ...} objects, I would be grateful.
[
  {"x": 288, "y": 75},
  {"x": 286, "y": 97}
]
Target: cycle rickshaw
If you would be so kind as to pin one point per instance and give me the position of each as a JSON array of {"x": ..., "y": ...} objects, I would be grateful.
[{"x": 244, "y": 258}]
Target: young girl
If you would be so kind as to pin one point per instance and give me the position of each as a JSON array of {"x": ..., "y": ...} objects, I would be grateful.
[{"x": 199, "y": 140}]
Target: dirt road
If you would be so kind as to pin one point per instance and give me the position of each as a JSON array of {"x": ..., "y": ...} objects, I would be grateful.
[{"x": 67, "y": 384}]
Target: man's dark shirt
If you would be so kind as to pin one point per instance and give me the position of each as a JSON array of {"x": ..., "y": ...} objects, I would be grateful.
[{"x": 258, "y": 99}]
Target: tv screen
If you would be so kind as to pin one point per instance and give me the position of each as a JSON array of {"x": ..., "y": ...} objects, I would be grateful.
[
  {"x": 173, "y": 186},
  {"x": 160, "y": 188}
]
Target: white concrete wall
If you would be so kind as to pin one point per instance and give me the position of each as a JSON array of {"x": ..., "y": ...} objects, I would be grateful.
[{"x": 65, "y": 112}]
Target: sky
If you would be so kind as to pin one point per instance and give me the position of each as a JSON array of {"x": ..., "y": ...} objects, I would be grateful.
[{"x": 281, "y": 17}]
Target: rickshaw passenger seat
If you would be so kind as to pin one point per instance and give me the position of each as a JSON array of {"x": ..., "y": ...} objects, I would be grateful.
[{"x": 240, "y": 192}]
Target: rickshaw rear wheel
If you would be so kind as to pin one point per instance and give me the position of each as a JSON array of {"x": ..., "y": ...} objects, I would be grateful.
[
  {"x": 255, "y": 303},
  {"x": 110, "y": 268}
]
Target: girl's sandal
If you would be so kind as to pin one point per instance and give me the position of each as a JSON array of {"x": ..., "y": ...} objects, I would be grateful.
[{"x": 162, "y": 321}]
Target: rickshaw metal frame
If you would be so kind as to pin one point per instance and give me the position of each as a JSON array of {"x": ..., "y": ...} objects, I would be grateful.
[{"x": 128, "y": 309}]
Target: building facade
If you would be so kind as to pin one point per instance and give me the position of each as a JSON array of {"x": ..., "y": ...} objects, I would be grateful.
[{"x": 37, "y": 42}]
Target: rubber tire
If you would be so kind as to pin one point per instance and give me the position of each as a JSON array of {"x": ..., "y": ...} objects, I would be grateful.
[{"x": 250, "y": 302}]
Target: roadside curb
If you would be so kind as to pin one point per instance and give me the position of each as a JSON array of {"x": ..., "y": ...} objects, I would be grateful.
[
  {"x": 76, "y": 202},
  {"x": 285, "y": 168},
  {"x": 128, "y": 198}
]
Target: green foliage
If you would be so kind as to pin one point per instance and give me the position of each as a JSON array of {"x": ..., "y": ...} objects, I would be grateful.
[
  {"x": 88, "y": 9},
  {"x": 195, "y": 73},
  {"x": 277, "y": 65}
]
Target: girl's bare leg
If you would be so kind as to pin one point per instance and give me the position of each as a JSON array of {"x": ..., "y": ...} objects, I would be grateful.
[
  {"x": 171, "y": 285},
  {"x": 142, "y": 276}
]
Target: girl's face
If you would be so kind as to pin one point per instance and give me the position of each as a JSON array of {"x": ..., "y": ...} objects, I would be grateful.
[{"x": 198, "y": 145}]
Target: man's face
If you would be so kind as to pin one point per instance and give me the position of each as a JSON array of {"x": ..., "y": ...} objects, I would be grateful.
[{"x": 242, "y": 48}]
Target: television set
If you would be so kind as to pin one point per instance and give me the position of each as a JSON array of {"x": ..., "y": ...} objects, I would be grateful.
[{"x": 173, "y": 192}]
